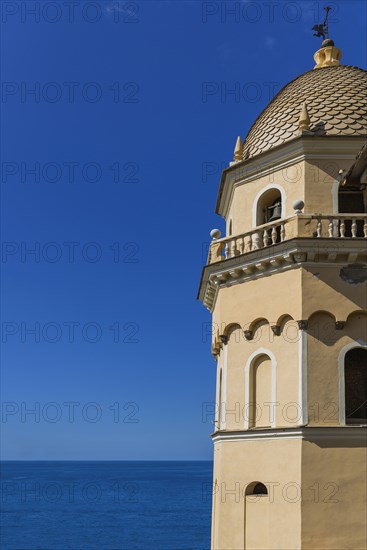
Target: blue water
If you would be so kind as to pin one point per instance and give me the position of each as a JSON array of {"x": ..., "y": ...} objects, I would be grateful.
[{"x": 105, "y": 505}]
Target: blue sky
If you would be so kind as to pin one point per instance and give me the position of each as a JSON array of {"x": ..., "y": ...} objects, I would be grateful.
[{"x": 131, "y": 119}]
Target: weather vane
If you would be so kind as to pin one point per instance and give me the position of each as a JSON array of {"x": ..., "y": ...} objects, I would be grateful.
[{"x": 323, "y": 28}]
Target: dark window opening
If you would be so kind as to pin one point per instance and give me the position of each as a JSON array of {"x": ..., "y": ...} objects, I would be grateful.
[
  {"x": 356, "y": 386},
  {"x": 258, "y": 489},
  {"x": 351, "y": 202}
]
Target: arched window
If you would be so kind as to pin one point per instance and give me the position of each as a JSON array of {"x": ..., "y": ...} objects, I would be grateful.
[
  {"x": 269, "y": 207},
  {"x": 355, "y": 372}
]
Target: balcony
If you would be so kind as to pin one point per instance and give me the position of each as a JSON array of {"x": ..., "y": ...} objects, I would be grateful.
[{"x": 313, "y": 226}]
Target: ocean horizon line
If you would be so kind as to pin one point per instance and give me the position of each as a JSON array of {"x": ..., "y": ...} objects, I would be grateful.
[{"x": 100, "y": 460}]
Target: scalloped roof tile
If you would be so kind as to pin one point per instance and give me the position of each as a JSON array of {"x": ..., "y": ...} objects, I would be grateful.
[{"x": 336, "y": 103}]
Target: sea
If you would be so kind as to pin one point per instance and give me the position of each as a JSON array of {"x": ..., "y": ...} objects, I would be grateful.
[{"x": 108, "y": 505}]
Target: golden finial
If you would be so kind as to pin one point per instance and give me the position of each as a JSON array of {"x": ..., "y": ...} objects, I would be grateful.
[
  {"x": 238, "y": 150},
  {"x": 304, "y": 119},
  {"x": 328, "y": 55}
]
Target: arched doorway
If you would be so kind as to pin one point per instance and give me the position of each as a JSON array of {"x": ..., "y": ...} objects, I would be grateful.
[{"x": 257, "y": 517}]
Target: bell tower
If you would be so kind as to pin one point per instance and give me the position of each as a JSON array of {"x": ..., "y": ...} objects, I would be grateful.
[{"x": 287, "y": 287}]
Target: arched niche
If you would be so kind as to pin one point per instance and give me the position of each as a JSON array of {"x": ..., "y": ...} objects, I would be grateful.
[
  {"x": 260, "y": 389},
  {"x": 269, "y": 203}
]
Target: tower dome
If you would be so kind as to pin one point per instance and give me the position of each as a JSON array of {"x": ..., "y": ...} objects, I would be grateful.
[{"x": 335, "y": 100}]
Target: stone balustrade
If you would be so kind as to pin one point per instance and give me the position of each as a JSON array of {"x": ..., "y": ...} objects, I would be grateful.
[{"x": 335, "y": 226}]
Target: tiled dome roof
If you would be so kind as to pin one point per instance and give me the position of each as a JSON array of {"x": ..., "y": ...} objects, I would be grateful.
[{"x": 336, "y": 103}]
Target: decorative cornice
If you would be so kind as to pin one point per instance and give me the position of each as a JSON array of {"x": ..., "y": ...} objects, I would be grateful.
[
  {"x": 291, "y": 254},
  {"x": 355, "y": 433}
]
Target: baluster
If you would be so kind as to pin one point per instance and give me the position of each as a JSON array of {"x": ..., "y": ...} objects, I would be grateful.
[
  {"x": 282, "y": 232},
  {"x": 330, "y": 228},
  {"x": 335, "y": 229},
  {"x": 342, "y": 228},
  {"x": 274, "y": 235},
  {"x": 319, "y": 228},
  {"x": 354, "y": 228},
  {"x": 265, "y": 238},
  {"x": 242, "y": 245},
  {"x": 233, "y": 248},
  {"x": 365, "y": 228},
  {"x": 255, "y": 241},
  {"x": 248, "y": 243},
  {"x": 226, "y": 250}
]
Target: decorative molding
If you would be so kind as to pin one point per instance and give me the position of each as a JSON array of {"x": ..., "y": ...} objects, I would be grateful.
[
  {"x": 335, "y": 433},
  {"x": 290, "y": 254}
]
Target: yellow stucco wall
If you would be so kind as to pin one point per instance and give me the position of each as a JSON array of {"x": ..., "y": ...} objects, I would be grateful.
[
  {"x": 316, "y": 495},
  {"x": 334, "y": 500},
  {"x": 237, "y": 464},
  {"x": 314, "y": 181}
]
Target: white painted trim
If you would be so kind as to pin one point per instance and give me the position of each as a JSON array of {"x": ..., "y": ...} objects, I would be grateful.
[
  {"x": 257, "y": 353},
  {"x": 260, "y": 194},
  {"x": 224, "y": 387},
  {"x": 341, "y": 360},
  {"x": 335, "y": 196},
  {"x": 218, "y": 391},
  {"x": 219, "y": 414},
  {"x": 333, "y": 433},
  {"x": 302, "y": 377}
]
